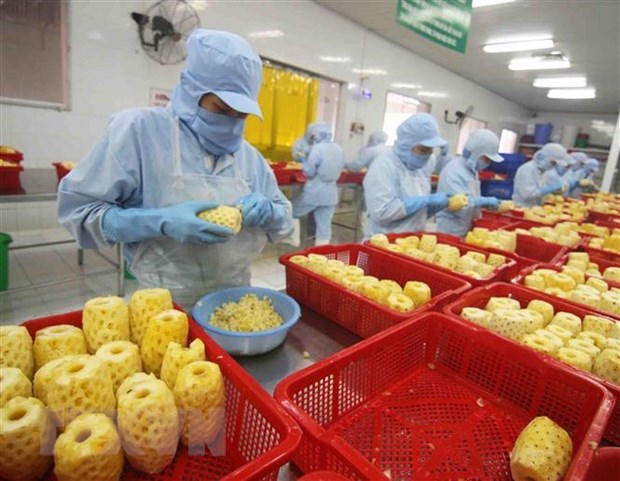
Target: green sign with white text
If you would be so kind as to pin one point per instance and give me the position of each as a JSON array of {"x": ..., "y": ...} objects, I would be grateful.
[{"x": 445, "y": 22}]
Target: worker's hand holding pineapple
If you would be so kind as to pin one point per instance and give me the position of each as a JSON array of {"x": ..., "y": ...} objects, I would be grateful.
[{"x": 457, "y": 202}]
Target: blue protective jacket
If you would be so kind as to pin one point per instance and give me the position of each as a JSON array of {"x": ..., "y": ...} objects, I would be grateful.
[
  {"x": 458, "y": 177},
  {"x": 322, "y": 168},
  {"x": 528, "y": 183},
  {"x": 386, "y": 186},
  {"x": 131, "y": 165}
]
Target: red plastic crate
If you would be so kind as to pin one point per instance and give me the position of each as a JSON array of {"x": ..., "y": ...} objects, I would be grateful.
[
  {"x": 10, "y": 182},
  {"x": 602, "y": 262},
  {"x": 61, "y": 170},
  {"x": 284, "y": 176},
  {"x": 260, "y": 436},
  {"x": 602, "y": 254},
  {"x": 605, "y": 466},
  {"x": 505, "y": 273},
  {"x": 479, "y": 298},
  {"x": 14, "y": 157},
  {"x": 520, "y": 279},
  {"x": 493, "y": 220},
  {"x": 323, "y": 476},
  {"x": 347, "y": 177},
  {"x": 531, "y": 251},
  {"x": 434, "y": 399},
  {"x": 602, "y": 217},
  {"x": 354, "y": 311}
]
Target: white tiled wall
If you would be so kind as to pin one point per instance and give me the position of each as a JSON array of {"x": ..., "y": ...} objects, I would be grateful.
[{"x": 109, "y": 72}]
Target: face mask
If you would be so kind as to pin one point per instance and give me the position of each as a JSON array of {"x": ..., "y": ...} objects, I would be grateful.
[
  {"x": 561, "y": 170},
  {"x": 481, "y": 165},
  {"x": 543, "y": 164},
  {"x": 415, "y": 161},
  {"x": 219, "y": 134}
]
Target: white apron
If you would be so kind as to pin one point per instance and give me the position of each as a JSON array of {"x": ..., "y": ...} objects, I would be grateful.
[{"x": 190, "y": 271}]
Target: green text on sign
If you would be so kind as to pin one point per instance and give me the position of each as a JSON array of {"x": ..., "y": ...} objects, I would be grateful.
[{"x": 445, "y": 22}]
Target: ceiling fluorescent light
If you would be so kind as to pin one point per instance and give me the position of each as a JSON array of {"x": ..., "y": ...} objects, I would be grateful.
[
  {"x": 488, "y": 3},
  {"x": 571, "y": 94},
  {"x": 327, "y": 58},
  {"x": 539, "y": 63},
  {"x": 266, "y": 34},
  {"x": 437, "y": 95},
  {"x": 560, "y": 82},
  {"x": 406, "y": 86},
  {"x": 519, "y": 46},
  {"x": 369, "y": 71}
]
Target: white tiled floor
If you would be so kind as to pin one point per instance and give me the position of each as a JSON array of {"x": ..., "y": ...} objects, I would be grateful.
[{"x": 29, "y": 269}]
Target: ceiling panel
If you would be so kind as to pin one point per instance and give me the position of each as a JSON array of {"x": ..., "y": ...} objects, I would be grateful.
[{"x": 586, "y": 31}]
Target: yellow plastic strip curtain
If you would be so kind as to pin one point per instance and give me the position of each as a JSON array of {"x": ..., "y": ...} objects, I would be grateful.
[
  {"x": 313, "y": 100},
  {"x": 260, "y": 133},
  {"x": 289, "y": 102}
]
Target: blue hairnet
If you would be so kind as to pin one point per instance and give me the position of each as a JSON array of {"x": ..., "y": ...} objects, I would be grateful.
[
  {"x": 319, "y": 132},
  {"x": 419, "y": 129},
  {"x": 549, "y": 152},
  {"x": 376, "y": 138},
  {"x": 591, "y": 165},
  {"x": 579, "y": 157},
  {"x": 482, "y": 142},
  {"x": 221, "y": 63}
]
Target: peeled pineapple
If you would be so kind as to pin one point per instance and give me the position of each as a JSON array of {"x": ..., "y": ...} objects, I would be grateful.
[
  {"x": 539, "y": 343},
  {"x": 560, "y": 331},
  {"x": 177, "y": 357},
  {"x": 496, "y": 260},
  {"x": 496, "y": 303},
  {"x": 418, "y": 292},
  {"x": 375, "y": 291},
  {"x": 457, "y": 202},
  {"x": 476, "y": 315},
  {"x": 594, "y": 337},
  {"x": 104, "y": 319},
  {"x": 143, "y": 304},
  {"x": 89, "y": 448},
  {"x": 400, "y": 302},
  {"x": 122, "y": 358},
  {"x": 542, "y": 452},
  {"x": 167, "y": 326},
  {"x": 509, "y": 323},
  {"x": 575, "y": 357},
  {"x": 44, "y": 377},
  {"x": 223, "y": 215},
  {"x": 148, "y": 423},
  {"x": 27, "y": 436},
  {"x": 380, "y": 240},
  {"x": 199, "y": 392},
  {"x": 598, "y": 324},
  {"x": 585, "y": 346},
  {"x": 16, "y": 349},
  {"x": 568, "y": 321},
  {"x": 427, "y": 243},
  {"x": 13, "y": 383},
  {"x": 544, "y": 308},
  {"x": 82, "y": 384},
  {"x": 55, "y": 342},
  {"x": 607, "y": 365}
]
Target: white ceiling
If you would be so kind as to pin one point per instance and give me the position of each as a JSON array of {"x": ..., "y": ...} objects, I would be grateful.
[{"x": 586, "y": 31}]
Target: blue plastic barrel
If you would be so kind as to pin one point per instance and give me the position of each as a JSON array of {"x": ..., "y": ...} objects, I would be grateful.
[{"x": 542, "y": 133}]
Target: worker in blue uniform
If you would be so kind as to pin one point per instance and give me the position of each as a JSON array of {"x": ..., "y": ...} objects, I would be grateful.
[
  {"x": 319, "y": 195},
  {"x": 155, "y": 169},
  {"x": 397, "y": 190},
  {"x": 460, "y": 176}
]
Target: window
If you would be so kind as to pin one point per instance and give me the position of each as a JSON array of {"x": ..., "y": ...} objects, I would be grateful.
[
  {"x": 508, "y": 141},
  {"x": 467, "y": 127},
  {"x": 33, "y": 39},
  {"x": 397, "y": 109}
]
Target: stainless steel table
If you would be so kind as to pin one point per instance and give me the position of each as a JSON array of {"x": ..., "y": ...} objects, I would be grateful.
[
  {"x": 313, "y": 338},
  {"x": 40, "y": 185}
]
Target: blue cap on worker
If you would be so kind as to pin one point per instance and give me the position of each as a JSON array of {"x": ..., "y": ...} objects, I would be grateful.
[
  {"x": 226, "y": 65},
  {"x": 420, "y": 129}
]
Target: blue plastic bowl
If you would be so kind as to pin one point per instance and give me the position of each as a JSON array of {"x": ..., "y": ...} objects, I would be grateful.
[{"x": 247, "y": 343}]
